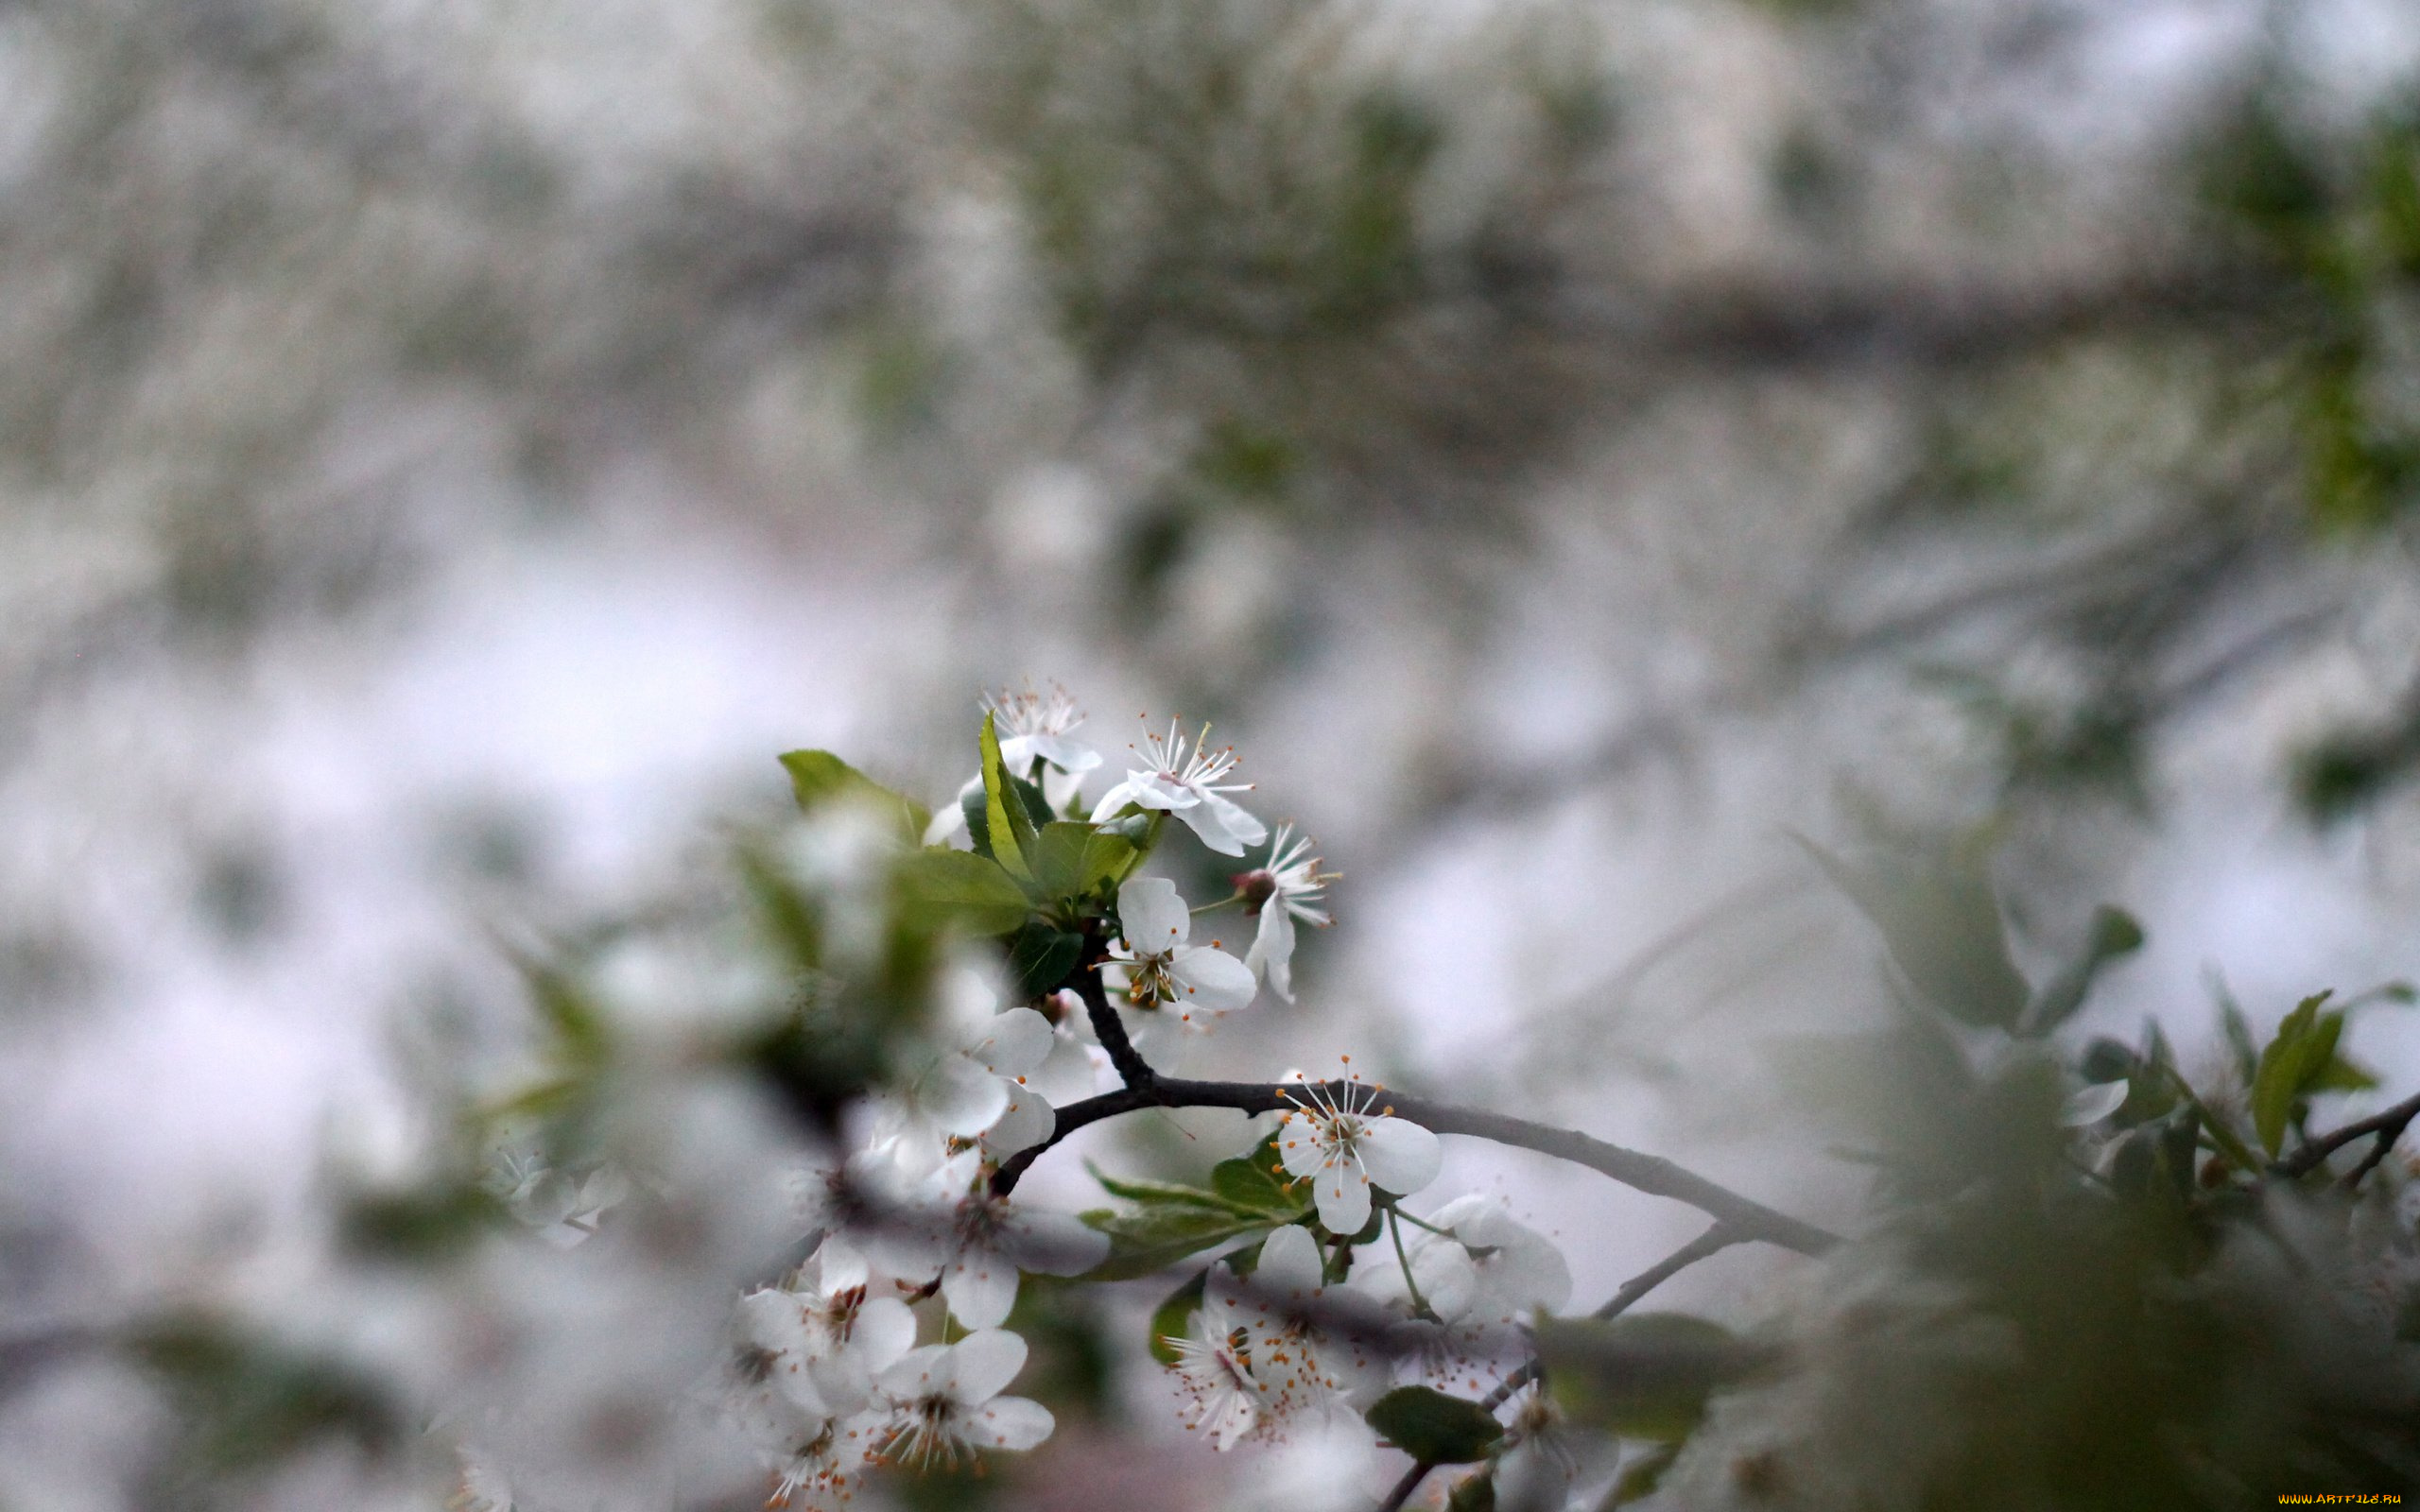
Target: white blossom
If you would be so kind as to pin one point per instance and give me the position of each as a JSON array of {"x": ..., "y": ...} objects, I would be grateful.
[
  {"x": 942, "y": 1402},
  {"x": 1482, "y": 1279},
  {"x": 1032, "y": 727},
  {"x": 1280, "y": 892},
  {"x": 1155, "y": 967},
  {"x": 969, "y": 1083},
  {"x": 979, "y": 1244},
  {"x": 1187, "y": 787},
  {"x": 1341, "y": 1151},
  {"x": 826, "y": 1329}
]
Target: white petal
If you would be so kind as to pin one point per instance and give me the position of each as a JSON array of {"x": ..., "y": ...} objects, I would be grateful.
[
  {"x": 948, "y": 825},
  {"x": 1012, "y": 1043},
  {"x": 1342, "y": 1193},
  {"x": 1066, "y": 1074},
  {"x": 1115, "y": 799},
  {"x": 984, "y": 1363},
  {"x": 1273, "y": 950},
  {"x": 959, "y": 1097},
  {"x": 1222, "y": 825},
  {"x": 1151, "y": 915},
  {"x": 1290, "y": 1260},
  {"x": 885, "y": 1331},
  {"x": 2093, "y": 1104},
  {"x": 1157, "y": 790},
  {"x": 1067, "y": 755},
  {"x": 1028, "y": 1121},
  {"x": 839, "y": 1265},
  {"x": 1399, "y": 1154},
  {"x": 1234, "y": 1416},
  {"x": 1298, "y": 1146},
  {"x": 1210, "y": 981},
  {"x": 917, "y": 1372},
  {"x": 1447, "y": 1277},
  {"x": 1009, "y": 1422},
  {"x": 830, "y": 1388},
  {"x": 981, "y": 1288},
  {"x": 769, "y": 1319}
]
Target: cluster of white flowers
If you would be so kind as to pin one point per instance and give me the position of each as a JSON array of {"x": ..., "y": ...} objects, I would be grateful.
[
  {"x": 831, "y": 1384},
  {"x": 886, "y": 1345}
]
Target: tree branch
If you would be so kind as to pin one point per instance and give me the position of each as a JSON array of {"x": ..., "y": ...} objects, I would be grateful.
[
  {"x": 1653, "y": 1175},
  {"x": 2387, "y": 1126}
]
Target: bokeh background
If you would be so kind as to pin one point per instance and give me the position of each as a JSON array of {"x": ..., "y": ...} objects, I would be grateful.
[{"x": 1569, "y": 447}]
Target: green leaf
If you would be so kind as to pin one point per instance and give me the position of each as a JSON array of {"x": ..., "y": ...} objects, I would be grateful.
[
  {"x": 1647, "y": 1375},
  {"x": 1172, "y": 1319},
  {"x": 1005, "y": 823},
  {"x": 1071, "y": 858},
  {"x": 1166, "y": 1193},
  {"x": 2339, "y": 1076},
  {"x": 1145, "y": 1243},
  {"x": 1255, "y": 1180},
  {"x": 1434, "y": 1428},
  {"x": 582, "y": 1036},
  {"x": 1939, "y": 919},
  {"x": 1475, "y": 1492},
  {"x": 2113, "y": 935},
  {"x": 1641, "y": 1475},
  {"x": 818, "y": 776},
  {"x": 2304, "y": 1044},
  {"x": 1039, "y": 957},
  {"x": 962, "y": 890}
]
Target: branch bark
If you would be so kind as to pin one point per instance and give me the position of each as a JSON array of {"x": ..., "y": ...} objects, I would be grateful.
[
  {"x": 2387, "y": 1126},
  {"x": 1650, "y": 1174}
]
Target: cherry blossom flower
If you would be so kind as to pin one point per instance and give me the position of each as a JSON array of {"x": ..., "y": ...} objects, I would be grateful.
[
  {"x": 1341, "y": 1151},
  {"x": 1482, "y": 1280},
  {"x": 1155, "y": 967},
  {"x": 1032, "y": 727},
  {"x": 1277, "y": 1348},
  {"x": 1280, "y": 892},
  {"x": 968, "y": 1084},
  {"x": 978, "y": 1245},
  {"x": 942, "y": 1402},
  {"x": 1188, "y": 787},
  {"x": 826, "y": 1329}
]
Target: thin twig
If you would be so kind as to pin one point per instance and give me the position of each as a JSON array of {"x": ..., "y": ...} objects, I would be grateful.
[
  {"x": 2388, "y": 1125},
  {"x": 1650, "y": 1173},
  {"x": 1720, "y": 1237}
]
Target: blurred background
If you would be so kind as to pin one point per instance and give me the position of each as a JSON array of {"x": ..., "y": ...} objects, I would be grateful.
[{"x": 1569, "y": 446}]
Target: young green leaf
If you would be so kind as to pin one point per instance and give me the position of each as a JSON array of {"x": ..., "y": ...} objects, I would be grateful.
[
  {"x": 1172, "y": 1194},
  {"x": 1039, "y": 957},
  {"x": 1145, "y": 1243},
  {"x": 1173, "y": 1317},
  {"x": 818, "y": 776},
  {"x": 2303, "y": 1045},
  {"x": 1256, "y": 1180},
  {"x": 1434, "y": 1428},
  {"x": 959, "y": 889},
  {"x": 1006, "y": 824}
]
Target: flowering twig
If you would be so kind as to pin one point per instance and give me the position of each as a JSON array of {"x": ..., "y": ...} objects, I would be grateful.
[
  {"x": 2387, "y": 1126},
  {"x": 1745, "y": 1217}
]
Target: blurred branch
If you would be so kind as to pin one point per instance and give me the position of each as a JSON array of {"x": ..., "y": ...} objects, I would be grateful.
[
  {"x": 2387, "y": 1126},
  {"x": 1650, "y": 1173}
]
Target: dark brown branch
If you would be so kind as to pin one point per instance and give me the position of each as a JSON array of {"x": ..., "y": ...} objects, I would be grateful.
[
  {"x": 1650, "y": 1173},
  {"x": 2387, "y": 1126},
  {"x": 1106, "y": 1027}
]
